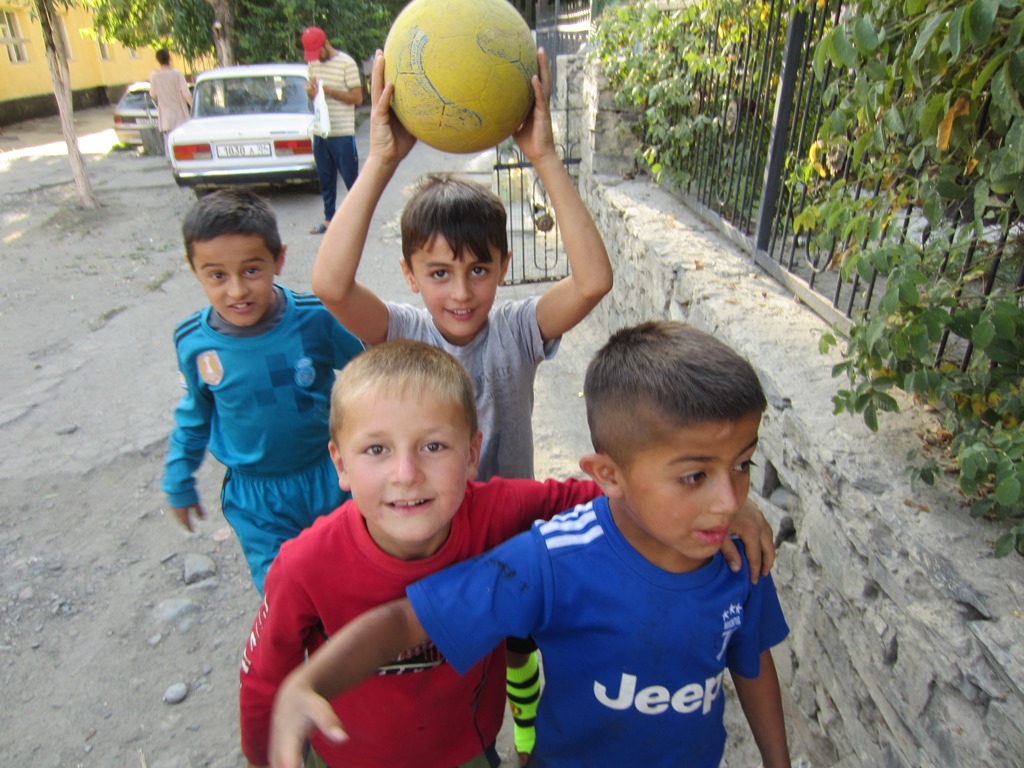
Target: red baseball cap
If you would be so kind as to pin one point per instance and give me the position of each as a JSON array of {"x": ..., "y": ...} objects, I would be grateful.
[{"x": 313, "y": 40}]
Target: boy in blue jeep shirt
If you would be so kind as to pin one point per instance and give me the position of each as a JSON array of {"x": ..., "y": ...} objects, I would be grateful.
[{"x": 629, "y": 598}]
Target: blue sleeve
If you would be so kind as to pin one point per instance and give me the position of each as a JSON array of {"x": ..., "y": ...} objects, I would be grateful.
[
  {"x": 764, "y": 626},
  {"x": 472, "y": 606},
  {"x": 189, "y": 439},
  {"x": 346, "y": 346}
]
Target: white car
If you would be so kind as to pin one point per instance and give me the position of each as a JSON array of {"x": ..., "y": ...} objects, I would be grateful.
[
  {"x": 250, "y": 125},
  {"x": 133, "y": 112}
]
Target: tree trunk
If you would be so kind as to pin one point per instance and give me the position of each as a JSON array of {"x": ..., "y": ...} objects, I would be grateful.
[
  {"x": 223, "y": 30},
  {"x": 60, "y": 76}
]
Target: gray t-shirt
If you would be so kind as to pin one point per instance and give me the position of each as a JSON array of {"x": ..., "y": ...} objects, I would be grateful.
[{"x": 502, "y": 362}]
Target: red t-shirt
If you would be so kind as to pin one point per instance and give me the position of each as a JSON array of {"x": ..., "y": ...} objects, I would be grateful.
[{"x": 419, "y": 710}]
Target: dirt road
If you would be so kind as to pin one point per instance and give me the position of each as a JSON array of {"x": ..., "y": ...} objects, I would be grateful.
[{"x": 97, "y": 622}]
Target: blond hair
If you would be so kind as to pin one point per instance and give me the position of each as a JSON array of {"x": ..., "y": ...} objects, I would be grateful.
[{"x": 403, "y": 368}]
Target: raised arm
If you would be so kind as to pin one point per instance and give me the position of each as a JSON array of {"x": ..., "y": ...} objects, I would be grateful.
[
  {"x": 354, "y": 305},
  {"x": 349, "y": 657},
  {"x": 568, "y": 301},
  {"x": 762, "y": 705}
]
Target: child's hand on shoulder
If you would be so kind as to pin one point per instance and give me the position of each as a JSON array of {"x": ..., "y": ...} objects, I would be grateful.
[
  {"x": 184, "y": 515},
  {"x": 390, "y": 142},
  {"x": 756, "y": 534},
  {"x": 536, "y": 136}
]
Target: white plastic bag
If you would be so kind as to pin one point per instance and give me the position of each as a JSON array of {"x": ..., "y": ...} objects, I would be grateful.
[{"x": 321, "y": 118}]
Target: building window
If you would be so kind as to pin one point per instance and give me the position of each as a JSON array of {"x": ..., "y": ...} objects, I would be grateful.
[
  {"x": 133, "y": 53},
  {"x": 101, "y": 44},
  {"x": 10, "y": 36}
]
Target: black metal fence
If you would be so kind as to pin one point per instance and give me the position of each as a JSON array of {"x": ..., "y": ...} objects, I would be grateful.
[
  {"x": 562, "y": 27},
  {"x": 815, "y": 273},
  {"x": 762, "y": 116},
  {"x": 534, "y": 237}
]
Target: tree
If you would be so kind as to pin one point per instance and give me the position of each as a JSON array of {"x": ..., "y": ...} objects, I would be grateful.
[
  {"x": 269, "y": 30},
  {"x": 183, "y": 26},
  {"x": 223, "y": 30},
  {"x": 246, "y": 31},
  {"x": 60, "y": 76}
]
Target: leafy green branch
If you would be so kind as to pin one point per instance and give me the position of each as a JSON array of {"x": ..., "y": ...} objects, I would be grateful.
[
  {"x": 929, "y": 109},
  {"x": 914, "y": 184}
]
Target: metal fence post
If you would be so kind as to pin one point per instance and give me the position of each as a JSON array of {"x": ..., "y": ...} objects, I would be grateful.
[{"x": 780, "y": 128}]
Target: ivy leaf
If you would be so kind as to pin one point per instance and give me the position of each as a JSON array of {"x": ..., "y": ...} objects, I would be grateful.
[
  {"x": 909, "y": 294},
  {"x": 864, "y": 36},
  {"x": 983, "y": 334},
  {"x": 961, "y": 322},
  {"x": 961, "y": 107},
  {"x": 955, "y": 33},
  {"x": 926, "y": 34},
  {"x": 933, "y": 207},
  {"x": 981, "y": 15},
  {"x": 864, "y": 269},
  {"x": 917, "y": 157},
  {"x": 821, "y": 56},
  {"x": 1003, "y": 321},
  {"x": 1003, "y": 545},
  {"x": 1016, "y": 74},
  {"x": 1016, "y": 31},
  {"x": 842, "y": 51},
  {"x": 1008, "y": 491},
  {"x": 981, "y": 202},
  {"x": 877, "y": 71},
  {"x": 990, "y": 69},
  {"x": 1004, "y": 93},
  {"x": 871, "y": 417},
  {"x": 875, "y": 330},
  {"x": 893, "y": 122}
]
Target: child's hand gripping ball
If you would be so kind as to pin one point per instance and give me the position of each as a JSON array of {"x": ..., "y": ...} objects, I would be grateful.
[{"x": 462, "y": 72}]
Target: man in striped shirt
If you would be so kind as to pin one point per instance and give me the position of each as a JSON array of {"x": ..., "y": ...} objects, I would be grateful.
[{"x": 338, "y": 73}]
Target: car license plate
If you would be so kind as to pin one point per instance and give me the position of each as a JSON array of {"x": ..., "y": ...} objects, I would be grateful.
[{"x": 261, "y": 149}]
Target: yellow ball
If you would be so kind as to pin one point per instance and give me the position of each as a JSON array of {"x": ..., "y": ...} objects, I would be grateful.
[{"x": 462, "y": 71}]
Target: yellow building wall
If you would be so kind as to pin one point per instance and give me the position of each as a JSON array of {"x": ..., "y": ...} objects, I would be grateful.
[{"x": 87, "y": 66}]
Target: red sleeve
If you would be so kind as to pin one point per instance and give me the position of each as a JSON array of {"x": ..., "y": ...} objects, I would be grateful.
[
  {"x": 286, "y": 624},
  {"x": 517, "y": 503},
  {"x": 561, "y": 495}
]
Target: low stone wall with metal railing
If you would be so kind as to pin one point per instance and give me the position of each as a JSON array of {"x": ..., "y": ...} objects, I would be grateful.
[{"x": 907, "y": 643}]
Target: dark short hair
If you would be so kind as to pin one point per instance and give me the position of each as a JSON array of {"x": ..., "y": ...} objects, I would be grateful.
[
  {"x": 163, "y": 56},
  {"x": 469, "y": 216},
  {"x": 664, "y": 375},
  {"x": 231, "y": 212}
]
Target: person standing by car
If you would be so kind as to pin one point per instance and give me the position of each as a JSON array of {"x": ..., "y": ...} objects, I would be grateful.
[
  {"x": 168, "y": 89},
  {"x": 338, "y": 73}
]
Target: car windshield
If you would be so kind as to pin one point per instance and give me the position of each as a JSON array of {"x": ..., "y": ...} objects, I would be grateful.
[
  {"x": 251, "y": 95},
  {"x": 137, "y": 100}
]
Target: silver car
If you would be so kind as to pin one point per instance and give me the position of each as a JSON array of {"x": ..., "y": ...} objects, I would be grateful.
[
  {"x": 250, "y": 125},
  {"x": 134, "y": 112}
]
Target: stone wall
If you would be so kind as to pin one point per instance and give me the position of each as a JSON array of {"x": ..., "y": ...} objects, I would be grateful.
[{"x": 907, "y": 643}]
